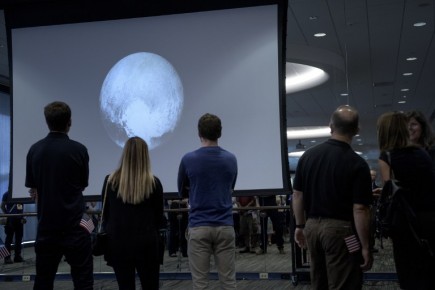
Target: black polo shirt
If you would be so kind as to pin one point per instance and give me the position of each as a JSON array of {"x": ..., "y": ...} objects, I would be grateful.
[
  {"x": 332, "y": 178},
  {"x": 58, "y": 168}
]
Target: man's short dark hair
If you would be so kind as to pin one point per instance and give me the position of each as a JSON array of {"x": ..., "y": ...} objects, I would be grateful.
[
  {"x": 58, "y": 116},
  {"x": 209, "y": 127}
]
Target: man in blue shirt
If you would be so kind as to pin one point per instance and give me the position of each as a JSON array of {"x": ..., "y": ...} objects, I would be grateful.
[
  {"x": 13, "y": 227},
  {"x": 209, "y": 175}
]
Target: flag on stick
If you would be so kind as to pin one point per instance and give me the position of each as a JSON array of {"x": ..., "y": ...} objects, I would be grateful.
[
  {"x": 86, "y": 222},
  {"x": 3, "y": 251},
  {"x": 352, "y": 244}
]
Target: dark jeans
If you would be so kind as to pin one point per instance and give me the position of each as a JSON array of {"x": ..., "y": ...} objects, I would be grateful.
[
  {"x": 126, "y": 275},
  {"x": 236, "y": 220},
  {"x": 415, "y": 266},
  {"x": 177, "y": 229},
  {"x": 75, "y": 245},
  {"x": 278, "y": 221},
  {"x": 14, "y": 227}
]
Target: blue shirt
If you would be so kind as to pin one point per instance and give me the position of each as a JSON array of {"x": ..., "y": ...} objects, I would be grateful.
[{"x": 210, "y": 173}]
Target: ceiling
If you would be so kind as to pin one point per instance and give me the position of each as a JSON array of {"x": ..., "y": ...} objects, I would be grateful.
[{"x": 365, "y": 53}]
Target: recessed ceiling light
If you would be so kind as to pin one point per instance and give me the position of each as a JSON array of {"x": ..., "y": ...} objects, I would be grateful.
[
  {"x": 308, "y": 132},
  {"x": 296, "y": 154},
  {"x": 407, "y": 74},
  {"x": 404, "y": 90},
  {"x": 312, "y": 17},
  {"x": 419, "y": 24},
  {"x": 320, "y": 34},
  {"x": 411, "y": 58},
  {"x": 300, "y": 77},
  {"x": 344, "y": 94},
  {"x": 401, "y": 102},
  {"x": 404, "y": 97}
]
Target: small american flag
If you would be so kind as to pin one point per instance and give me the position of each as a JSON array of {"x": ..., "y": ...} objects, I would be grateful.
[
  {"x": 3, "y": 251},
  {"x": 86, "y": 222},
  {"x": 352, "y": 244}
]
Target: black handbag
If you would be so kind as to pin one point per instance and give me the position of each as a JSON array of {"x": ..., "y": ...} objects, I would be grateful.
[
  {"x": 394, "y": 214},
  {"x": 99, "y": 244},
  {"x": 393, "y": 211}
]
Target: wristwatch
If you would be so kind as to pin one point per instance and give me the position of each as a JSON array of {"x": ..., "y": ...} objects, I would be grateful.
[{"x": 300, "y": 226}]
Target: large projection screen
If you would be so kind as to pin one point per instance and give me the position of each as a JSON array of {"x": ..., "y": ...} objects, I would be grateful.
[{"x": 154, "y": 77}]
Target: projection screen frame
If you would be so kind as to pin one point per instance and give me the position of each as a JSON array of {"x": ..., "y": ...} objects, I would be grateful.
[{"x": 65, "y": 12}]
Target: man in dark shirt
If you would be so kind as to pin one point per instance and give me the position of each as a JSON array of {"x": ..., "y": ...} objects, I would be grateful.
[
  {"x": 13, "y": 228},
  {"x": 332, "y": 189},
  {"x": 57, "y": 172}
]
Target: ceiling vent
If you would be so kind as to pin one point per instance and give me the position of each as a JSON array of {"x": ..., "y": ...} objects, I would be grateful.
[{"x": 382, "y": 84}]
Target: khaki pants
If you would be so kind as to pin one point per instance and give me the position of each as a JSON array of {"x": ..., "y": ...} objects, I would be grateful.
[
  {"x": 332, "y": 266},
  {"x": 205, "y": 241}
]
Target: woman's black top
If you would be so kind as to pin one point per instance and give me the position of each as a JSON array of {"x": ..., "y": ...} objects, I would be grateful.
[{"x": 133, "y": 228}]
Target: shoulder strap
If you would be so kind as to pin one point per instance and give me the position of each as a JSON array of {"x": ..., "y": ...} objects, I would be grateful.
[
  {"x": 391, "y": 167},
  {"x": 100, "y": 223}
]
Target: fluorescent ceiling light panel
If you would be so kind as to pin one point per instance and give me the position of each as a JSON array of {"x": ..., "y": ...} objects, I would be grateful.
[
  {"x": 296, "y": 154},
  {"x": 308, "y": 132},
  {"x": 300, "y": 153},
  {"x": 301, "y": 77},
  {"x": 419, "y": 24}
]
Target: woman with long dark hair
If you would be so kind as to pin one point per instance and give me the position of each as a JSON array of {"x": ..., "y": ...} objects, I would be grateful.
[
  {"x": 132, "y": 216},
  {"x": 412, "y": 167},
  {"x": 421, "y": 133}
]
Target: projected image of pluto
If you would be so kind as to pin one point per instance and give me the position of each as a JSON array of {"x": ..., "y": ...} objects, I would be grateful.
[{"x": 142, "y": 95}]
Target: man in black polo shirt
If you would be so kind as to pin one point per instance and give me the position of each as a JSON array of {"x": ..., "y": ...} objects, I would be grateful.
[
  {"x": 57, "y": 171},
  {"x": 332, "y": 188}
]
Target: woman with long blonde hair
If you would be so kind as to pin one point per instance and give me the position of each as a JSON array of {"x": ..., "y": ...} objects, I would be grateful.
[{"x": 132, "y": 216}]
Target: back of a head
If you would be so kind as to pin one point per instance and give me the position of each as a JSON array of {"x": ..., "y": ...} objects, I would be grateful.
[
  {"x": 135, "y": 156},
  {"x": 58, "y": 116},
  {"x": 345, "y": 121},
  {"x": 134, "y": 176},
  {"x": 209, "y": 127},
  {"x": 393, "y": 131}
]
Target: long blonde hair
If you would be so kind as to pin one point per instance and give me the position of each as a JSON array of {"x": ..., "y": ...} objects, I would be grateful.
[{"x": 134, "y": 178}]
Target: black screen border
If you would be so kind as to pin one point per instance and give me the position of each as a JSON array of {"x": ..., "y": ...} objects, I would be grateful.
[{"x": 44, "y": 13}]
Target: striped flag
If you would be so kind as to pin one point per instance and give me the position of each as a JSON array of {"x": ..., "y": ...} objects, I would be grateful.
[
  {"x": 352, "y": 244},
  {"x": 86, "y": 222},
  {"x": 3, "y": 251}
]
